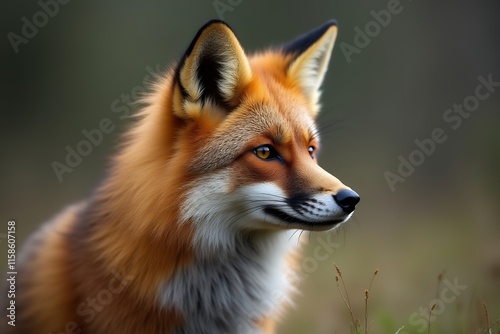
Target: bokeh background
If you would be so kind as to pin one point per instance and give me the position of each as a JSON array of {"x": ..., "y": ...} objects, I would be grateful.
[{"x": 377, "y": 101}]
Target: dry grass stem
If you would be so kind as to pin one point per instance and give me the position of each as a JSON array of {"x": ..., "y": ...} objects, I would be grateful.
[{"x": 429, "y": 319}]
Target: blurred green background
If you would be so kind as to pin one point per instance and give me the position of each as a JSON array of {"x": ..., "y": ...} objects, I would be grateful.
[{"x": 377, "y": 101}]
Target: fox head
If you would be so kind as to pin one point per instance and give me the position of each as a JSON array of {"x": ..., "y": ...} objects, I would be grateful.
[
  {"x": 237, "y": 139},
  {"x": 249, "y": 127}
]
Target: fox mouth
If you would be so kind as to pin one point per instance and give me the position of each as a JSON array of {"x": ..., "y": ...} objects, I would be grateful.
[{"x": 308, "y": 224}]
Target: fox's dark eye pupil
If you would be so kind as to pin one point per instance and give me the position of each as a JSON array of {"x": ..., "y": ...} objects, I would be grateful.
[{"x": 265, "y": 152}]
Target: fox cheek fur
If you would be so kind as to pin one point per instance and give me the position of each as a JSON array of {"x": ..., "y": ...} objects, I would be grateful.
[{"x": 196, "y": 221}]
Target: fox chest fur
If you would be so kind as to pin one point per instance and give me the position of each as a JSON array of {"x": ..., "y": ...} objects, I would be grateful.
[{"x": 232, "y": 293}]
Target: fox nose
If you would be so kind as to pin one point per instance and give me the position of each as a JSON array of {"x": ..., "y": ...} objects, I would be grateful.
[{"x": 347, "y": 200}]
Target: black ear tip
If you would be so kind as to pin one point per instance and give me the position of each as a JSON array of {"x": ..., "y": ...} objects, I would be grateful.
[
  {"x": 198, "y": 34},
  {"x": 331, "y": 22},
  {"x": 212, "y": 22},
  {"x": 215, "y": 21},
  {"x": 303, "y": 42}
]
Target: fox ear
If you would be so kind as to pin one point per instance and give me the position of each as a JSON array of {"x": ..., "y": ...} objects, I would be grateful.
[
  {"x": 213, "y": 69},
  {"x": 310, "y": 56}
]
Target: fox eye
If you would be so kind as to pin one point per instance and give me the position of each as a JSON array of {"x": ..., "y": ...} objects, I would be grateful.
[
  {"x": 311, "y": 150},
  {"x": 265, "y": 152}
]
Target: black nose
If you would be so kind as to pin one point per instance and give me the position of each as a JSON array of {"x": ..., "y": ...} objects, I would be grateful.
[{"x": 347, "y": 200}]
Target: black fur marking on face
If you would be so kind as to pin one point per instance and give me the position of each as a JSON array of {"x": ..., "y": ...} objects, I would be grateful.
[
  {"x": 303, "y": 205},
  {"x": 283, "y": 216}
]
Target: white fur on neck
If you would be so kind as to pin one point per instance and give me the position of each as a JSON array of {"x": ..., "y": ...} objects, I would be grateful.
[{"x": 238, "y": 276}]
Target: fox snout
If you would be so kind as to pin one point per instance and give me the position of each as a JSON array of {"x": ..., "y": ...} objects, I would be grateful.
[{"x": 313, "y": 211}]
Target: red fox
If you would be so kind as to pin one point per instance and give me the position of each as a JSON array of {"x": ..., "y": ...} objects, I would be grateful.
[{"x": 194, "y": 229}]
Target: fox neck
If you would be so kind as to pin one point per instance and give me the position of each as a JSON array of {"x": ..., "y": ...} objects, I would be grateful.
[{"x": 232, "y": 289}]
